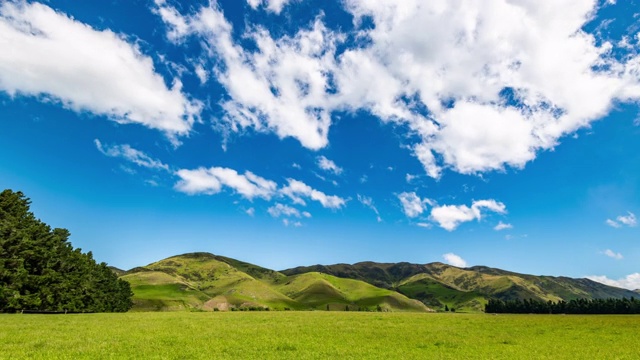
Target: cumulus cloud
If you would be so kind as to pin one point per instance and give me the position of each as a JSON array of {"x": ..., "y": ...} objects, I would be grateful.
[
  {"x": 612, "y": 254},
  {"x": 328, "y": 165},
  {"x": 631, "y": 282},
  {"x": 502, "y": 226},
  {"x": 288, "y": 77},
  {"x": 130, "y": 154},
  {"x": 274, "y": 6},
  {"x": 412, "y": 204},
  {"x": 455, "y": 260},
  {"x": 56, "y": 57},
  {"x": 482, "y": 85},
  {"x": 496, "y": 91},
  {"x": 449, "y": 217},
  {"x": 298, "y": 191},
  {"x": 211, "y": 181},
  {"x": 368, "y": 202},
  {"x": 623, "y": 220}
]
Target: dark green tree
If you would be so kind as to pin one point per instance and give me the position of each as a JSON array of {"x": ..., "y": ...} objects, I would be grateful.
[
  {"x": 446, "y": 308},
  {"x": 41, "y": 271}
]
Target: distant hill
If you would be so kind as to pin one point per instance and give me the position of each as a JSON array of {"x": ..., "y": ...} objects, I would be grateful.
[
  {"x": 115, "y": 270},
  {"x": 467, "y": 289},
  {"x": 203, "y": 281}
]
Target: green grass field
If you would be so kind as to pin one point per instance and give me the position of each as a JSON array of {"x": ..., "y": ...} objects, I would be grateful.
[{"x": 317, "y": 335}]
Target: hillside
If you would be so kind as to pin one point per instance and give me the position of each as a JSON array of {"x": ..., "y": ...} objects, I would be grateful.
[
  {"x": 203, "y": 281},
  {"x": 437, "y": 284},
  {"x": 322, "y": 291}
]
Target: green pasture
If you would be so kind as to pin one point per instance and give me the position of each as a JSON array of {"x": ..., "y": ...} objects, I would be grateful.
[{"x": 317, "y": 335}]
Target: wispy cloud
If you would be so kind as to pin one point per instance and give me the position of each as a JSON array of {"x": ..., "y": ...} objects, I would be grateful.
[
  {"x": 285, "y": 210},
  {"x": 502, "y": 226},
  {"x": 328, "y": 165},
  {"x": 274, "y": 6},
  {"x": 298, "y": 191},
  {"x": 612, "y": 254},
  {"x": 288, "y": 222},
  {"x": 623, "y": 220},
  {"x": 368, "y": 202},
  {"x": 130, "y": 154}
]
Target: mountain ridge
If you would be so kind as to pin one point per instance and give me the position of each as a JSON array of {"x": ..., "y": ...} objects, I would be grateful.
[
  {"x": 204, "y": 281},
  {"x": 438, "y": 284}
]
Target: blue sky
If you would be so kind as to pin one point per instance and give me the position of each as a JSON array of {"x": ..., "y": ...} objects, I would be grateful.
[{"x": 296, "y": 132}]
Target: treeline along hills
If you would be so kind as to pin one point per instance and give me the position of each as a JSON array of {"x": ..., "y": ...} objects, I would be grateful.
[
  {"x": 40, "y": 270},
  {"x": 576, "y": 306}
]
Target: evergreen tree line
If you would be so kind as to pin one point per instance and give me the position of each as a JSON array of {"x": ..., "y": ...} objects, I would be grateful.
[
  {"x": 577, "y": 306},
  {"x": 41, "y": 271}
]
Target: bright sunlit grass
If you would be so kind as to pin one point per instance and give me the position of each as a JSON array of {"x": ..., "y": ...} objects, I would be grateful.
[{"x": 317, "y": 335}]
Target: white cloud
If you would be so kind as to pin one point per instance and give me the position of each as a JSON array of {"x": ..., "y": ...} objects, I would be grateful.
[
  {"x": 613, "y": 223},
  {"x": 202, "y": 74},
  {"x": 629, "y": 219},
  {"x": 449, "y": 217},
  {"x": 53, "y": 56},
  {"x": 130, "y": 154},
  {"x": 424, "y": 225},
  {"x": 631, "y": 282},
  {"x": 283, "y": 210},
  {"x": 502, "y": 226},
  {"x": 368, "y": 202},
  {"x": 297, "y": 191},
  {"x": 251, "y": 212},
  {"x": 482, "y": 85},
  {"x": 412, "y": 205},
  {"x": 288, "y": 77},
  {"x": 515, "y": 76},
  {"x": 610, "y": 253},
  {"x": 328, "y": 165},
  {"x": 455, "y": 260},
  {"x": 211, "y": 181},
  {"x": 623, "y": 220},
  {"x": 288, "y": 222},
  {"x": 274, "y": 6}
]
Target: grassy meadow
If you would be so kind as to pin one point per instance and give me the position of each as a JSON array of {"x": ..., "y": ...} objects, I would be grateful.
[{"x": 317, "y": 335}]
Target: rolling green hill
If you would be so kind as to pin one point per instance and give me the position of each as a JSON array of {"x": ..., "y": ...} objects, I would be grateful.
[
  {"x": 322, "y": 291},
  {"x": 203, "y": 281},
  {"x": 437, "y": 284}
]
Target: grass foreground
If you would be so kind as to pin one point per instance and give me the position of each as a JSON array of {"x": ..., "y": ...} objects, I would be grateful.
[{"x": 317, "y": 335}]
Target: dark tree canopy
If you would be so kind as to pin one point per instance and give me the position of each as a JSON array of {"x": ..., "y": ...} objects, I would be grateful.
[
  {"x": 41, "y": 271},
  {"x": 576, "y": 306}
]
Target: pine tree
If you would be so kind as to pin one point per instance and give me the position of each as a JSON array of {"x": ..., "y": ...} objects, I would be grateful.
[{"x": 41, "y": 271}]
